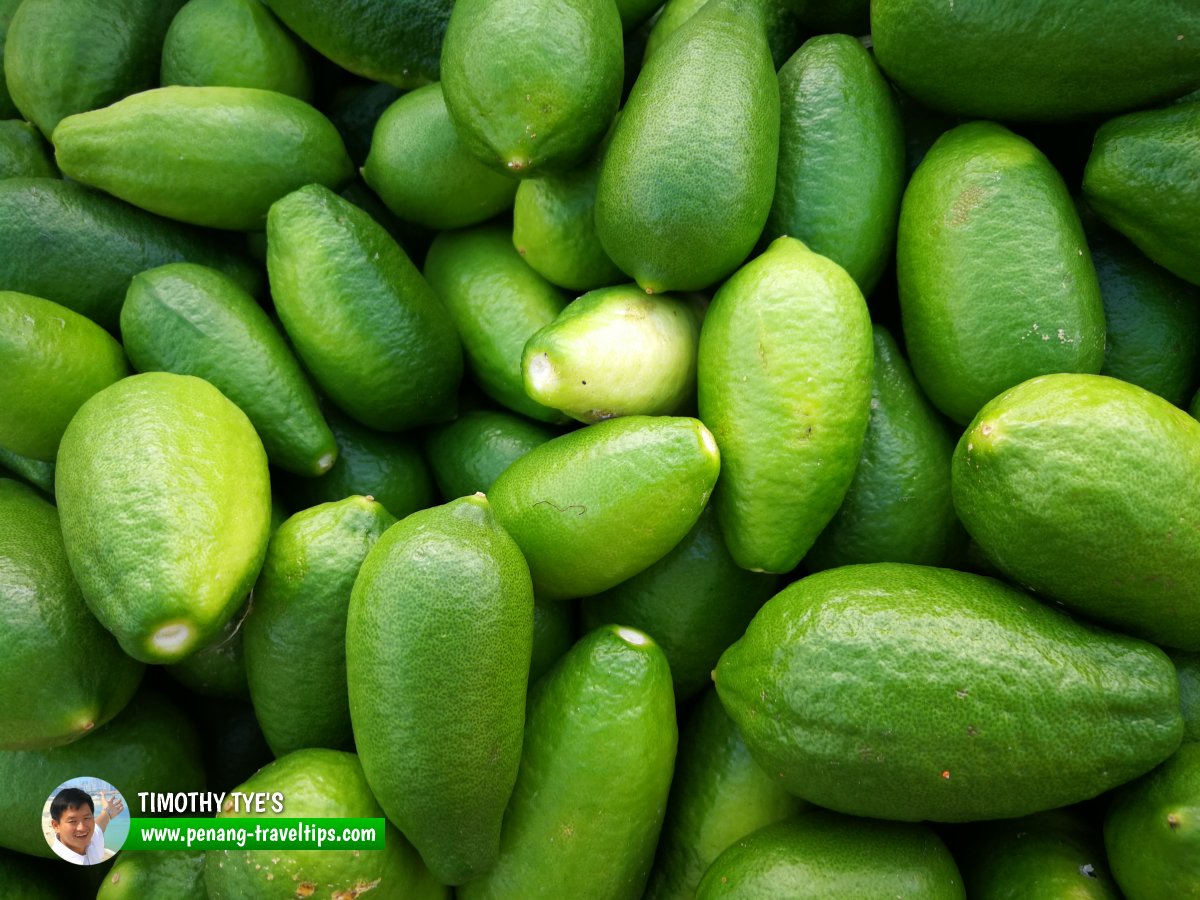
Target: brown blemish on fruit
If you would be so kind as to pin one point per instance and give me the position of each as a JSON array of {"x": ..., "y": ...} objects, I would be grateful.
[
  {"x": 116, "y": 877},
  {"x": 964, "y": 203},
  {"x": 1173, "y": 821},
  {"x": 946, "y": 774},
  {"x": 306, "y": 889}
]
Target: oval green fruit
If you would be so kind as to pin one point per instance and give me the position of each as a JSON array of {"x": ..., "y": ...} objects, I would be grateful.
[
  {"x": 23, "y": 153},
  {"x": 63, "y": 57},
  {"x": 364, "y": 322},
  {"x": 824, "y": 854},
  {"x": 295, "y": 634},
  {"x": 1046, "y": 856},
  {"x": 615, "y": 352},
  {"x": 908, "y": 692},
  {"x": 1037, "y": 59},
  {"x": 785, "y": 385},
  {"x": 1046, "y": 469},
  {"x": 996, "y": 282},
  {"x": 841, "y": 157},
  {"x": 1152, "y": 831},
  {"x": 233, "y": 43},
  {"x": 898, "y": 507},
  {"x": 51, "y": 361},
  {"x": 719, "y": 794},
  {"x": 79, "y": 248},
  {"x": 214, "y": 156},
  {"x": 545, "y": 90},
  {"x": 421, "y": 170},
  {"x": 468, "y": 455},
  {"x": 193, "y": 320},
  {"x": 316, "y": 783},
  {"x": 62, "y": 675},
  {"x": 1143, "y": 178},
  {"x": 596, "y": 506},
  {"x": 165, "y": 501},
  {"x": 496, "y": 302},
  {"x": 603, "y": 716},
  {"x": 438, "y": 645},
  {"x": 394, "y": 41},
  {"x": 694, "y": 602},
  {"x": 686, "y": 183}
]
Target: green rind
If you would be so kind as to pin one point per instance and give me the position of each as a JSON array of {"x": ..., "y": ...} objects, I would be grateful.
[
  {"x": 193, "y": 320},
  {"x": 295, "y": 634},
  {"x": 1047, "y": 856},
  {"x": 1187, "y": 667},
  {"x": 155, "y": 875},
  {"x": 686, "y": 184},
  {"x": 784, "y": 30},
  {"x": 841, "y": 157},
  {"x": 546, "y": 90},
  {"x": 694, "y": 602},
  {"x": 51, "y": 361},
  {"x": 907, "y": 692},
  {"x": 233, "y": 43},
  {"x": 163, "y": 575},
  {"x": 1038, "y": 60},
  {"x": 79, "y": 248},
  {"x": 423, "y": 172},
  {"x": 823, "y": 854},
  {"x": 63, "y": 675},
  {"x": 317, "y": 783},
  {"x": 996, "y": 282},
  {"x": 396, "y": 41},
  {"x": 365, "y": 323},
  {"x": 150, "y": 747},
  {"x": 23, "y": 153},
  {"x": 615, "y": 352},
  {"x": 1152, "y": 319},
  {"x": 898, "y": 507},
  {"x": 596, "y": 506},
  {"x": 718, "y": 796},
  {"x": 785, "y": 385},
  {"x": 1046, "y": 469},
  {"x": 8, "y": 109},
  {"x": 1152, "y": 830},
  {"x": 219, "y": 668},
  {"x": 440, "y": 633},
  {"x": 554, "y": 228},
  {"x": 468, "y": 455},
  {"x": 34, "y": 471},
  {"x": 1143, "y": 179},
  {"x": 213, "y": 156},
  {"x": 604, "y": 716},
  {"x": 63, "y": 57},
  {"x": 497, "y": 302}
]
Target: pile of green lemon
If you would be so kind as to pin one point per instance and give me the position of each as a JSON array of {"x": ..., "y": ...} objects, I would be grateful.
[{"x": 720, "y": 449}]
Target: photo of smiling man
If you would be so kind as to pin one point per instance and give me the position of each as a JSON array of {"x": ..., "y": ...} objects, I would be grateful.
[{"x": 80, "y": 814}]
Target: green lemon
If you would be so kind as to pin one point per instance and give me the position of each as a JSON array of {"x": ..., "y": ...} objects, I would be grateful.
[
  {"x": 596, "y": 506},
  {"x": 163, "y": 491},
  {"x": 543, "y": 93},
  {"x": 63, "y": 675},
  {"x": 438, "y": 644},
  {"x": 317, "y": 783},
  {"x": 193, "y": 320},
  {"x": 1143, "y": 178},
  {"x": 362, "y": 319},
  {"x": 23, "y": 152},
  {"x": 234, "y": 43},
  {"x": 213, "y": 156},
  {"x": 51, "y": 361},
  {"x": 295, "y": 632},
  {"x": 785, "y": 385}
]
